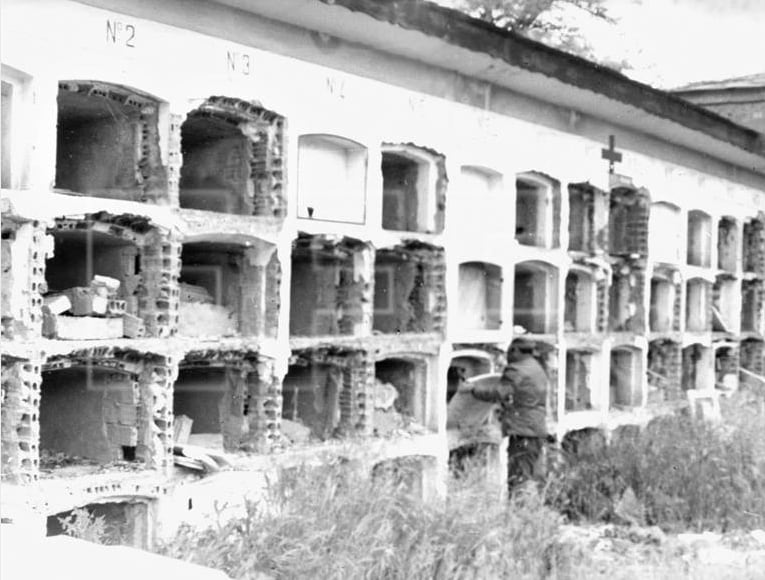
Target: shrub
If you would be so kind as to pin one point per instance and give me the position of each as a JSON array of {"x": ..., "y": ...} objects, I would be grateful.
[
  {"x": 686, "y": 473},
  {"x": 83, "y": 525}
]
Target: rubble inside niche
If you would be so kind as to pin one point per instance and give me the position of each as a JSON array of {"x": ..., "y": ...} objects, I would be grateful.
[
  {"x": 90, "y": 312},
  {"x": 388, "y": 421},
  {"x": 61, "y": 465},
  {"x": 200, "y": 316}
]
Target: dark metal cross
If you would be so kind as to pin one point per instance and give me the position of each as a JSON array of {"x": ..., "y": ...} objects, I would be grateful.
[{"x": 611, "y": 154}]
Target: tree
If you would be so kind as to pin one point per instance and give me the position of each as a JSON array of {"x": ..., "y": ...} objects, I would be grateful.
[{"x": 553, "y": 22}]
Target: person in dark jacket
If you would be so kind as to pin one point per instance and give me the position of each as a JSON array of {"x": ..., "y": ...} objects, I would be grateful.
[{"x": 522, "y": 395}]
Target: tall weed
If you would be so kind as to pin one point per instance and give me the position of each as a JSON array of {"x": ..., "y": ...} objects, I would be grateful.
[
  {"x": 333, "y": 523},
  {"x": 686, "y": 473}
]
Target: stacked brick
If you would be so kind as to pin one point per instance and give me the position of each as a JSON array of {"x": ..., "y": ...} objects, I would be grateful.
[
  {"x": 159, "y": 296},
  {"x": 25, "y": 247},
  {"x": 174, "y": 160},
  {"x": 264, "y": 407},
  {"x": 155, "y": 424},
  {"x": 20, "y": 423}
]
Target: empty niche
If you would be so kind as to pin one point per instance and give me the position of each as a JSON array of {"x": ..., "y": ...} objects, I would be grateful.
[
  {"x": 726, "y": 368},
  {"x": 579, "y": 376},
  {"x": 628, "y": 222},
  {"x": 535, "y": 297},
  {"x": 727, "y": 244},
  {"x": 725, "y": 310},
  {"x": 400, "y": 394},
  {"x": 697, "y": 367},
  {"x": 205, "y": 395},
  {"x": 233, "y": 159},
  {"x": 123, "y": 522},
  {"x": 699, "y": 246},
  {"x": 108, "y": 142},
  {"x": 409, "y": 294},
  {"x": 77, "y": 305},
  {"x": 311, "y": 394},
  {"x": 581, "y": 218},
  {"x": 626, "y": 313},
  {"x": 464, "y": 367},
  {"x": 579, "y": 308},
  {"x": 752, "y": 306},
  {"x": 479, "y": 199},
  {"x": 754, "y": 246},
  {"x": 480, "y": 296},
  {"x": 752, "y": 357},
  {"x": 6, "y": 127},
  {"x": 88, "y": 416},
  {"x": 697, "y": 302},
  {"x": 226, "y": 289},
  {"x": 537, "y": 211},
  {"x": 665, "y": 239},
  {"x": 663, "y": 300},
  {"x": 626, "y": 375},
  {"x": 414, "y": 188},
  {"x": 332, "y": 174},
  {"x": 330, "y": 287},
  {"x": 663, "y": 371}
]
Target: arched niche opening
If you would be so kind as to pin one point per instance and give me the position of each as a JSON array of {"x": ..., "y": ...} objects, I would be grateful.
[
  {"x": 537, "y": 210},
  {"x": 414, "y": 188},
  {"x": 88, "y": 415},
  {"x": 727, "y": 244},
  {"x": 233, "y": 159},
  {"x": 626, "y": 377},
  {"x": 108, "y": 142},
  {"x": 535, "y": 305},
  {"x": 463, "y": 366},
  {"x": 698, "y": 367},
  {"x": 480, "y": 296},
  {"x": 699, "y": 244},
  {"x": 332, "y": 172},
  {"x": 579, "y": 307}
]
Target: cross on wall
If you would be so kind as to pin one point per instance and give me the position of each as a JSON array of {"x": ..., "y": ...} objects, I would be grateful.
[{"x": 611, "y": 154}]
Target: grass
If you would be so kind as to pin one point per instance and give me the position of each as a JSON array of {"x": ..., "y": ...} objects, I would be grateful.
[{"x": 333, "y": 523}]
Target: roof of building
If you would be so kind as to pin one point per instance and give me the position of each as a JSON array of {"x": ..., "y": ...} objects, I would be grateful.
[{"x": 755, "y": 81}]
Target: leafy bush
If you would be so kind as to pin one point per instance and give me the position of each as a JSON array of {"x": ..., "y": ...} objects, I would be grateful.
[
  {"x": 83, "y": 525},
  {"x": 333, "y": 523},
  {"x": 686, "y": 473}
]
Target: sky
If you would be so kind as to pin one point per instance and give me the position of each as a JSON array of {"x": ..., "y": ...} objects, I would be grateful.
[{"x": 670, "y": 43}]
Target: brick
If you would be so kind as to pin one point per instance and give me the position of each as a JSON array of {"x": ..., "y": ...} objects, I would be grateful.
[
  {"x": 89, "y": 328},
  {"x": 133, "y": 327}
]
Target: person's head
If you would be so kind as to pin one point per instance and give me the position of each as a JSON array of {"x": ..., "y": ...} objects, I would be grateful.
[{"x": 520, "y": 348}]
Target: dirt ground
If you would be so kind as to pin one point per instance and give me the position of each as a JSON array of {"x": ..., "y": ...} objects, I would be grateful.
[{"x": 622, "y": 553}]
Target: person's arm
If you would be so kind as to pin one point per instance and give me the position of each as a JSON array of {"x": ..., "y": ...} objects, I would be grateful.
[{"x": 491, "y": 389}]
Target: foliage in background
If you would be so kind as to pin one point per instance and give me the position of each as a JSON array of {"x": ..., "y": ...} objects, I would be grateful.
[
  {"x": 678, "y": 473},
  {"x": 552, "y": 22},
  {"x": 333, "y": 523},
  {"x": 83, "y": 525}
]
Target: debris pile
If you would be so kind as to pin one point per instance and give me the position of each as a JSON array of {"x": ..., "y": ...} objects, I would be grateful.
[
  {"x": 200, "y": 316},
  {"x": 90, "y": 313}
]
